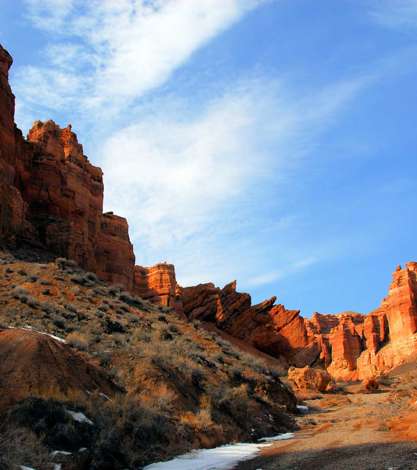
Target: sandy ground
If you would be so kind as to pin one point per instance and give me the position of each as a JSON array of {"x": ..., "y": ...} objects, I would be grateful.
[{"x": 356, "y": 430}]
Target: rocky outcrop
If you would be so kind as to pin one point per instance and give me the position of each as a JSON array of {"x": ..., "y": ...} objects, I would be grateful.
[
  {"x": 349, "y": 345},
  {"x": 158, "y": 284},
  {"x": 114, "y": 257}
]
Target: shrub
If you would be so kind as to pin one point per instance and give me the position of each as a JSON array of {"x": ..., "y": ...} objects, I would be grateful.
[
  {"x": 20, "y": 446},
  {"x": 66, "y": 264},
  {"x": 52, "y": 423},
  {"x": 32, "y": 302},
  {"x": 234, "y": 402},
  {"x": 78, "y": 341},
  {"x": 19, "y": 291},
  {"x": 111, "y": 326},
  {"x": 104, "y": 358},
  {"x": 129, "y": 300},
  {"x": 59, "y": 322}
]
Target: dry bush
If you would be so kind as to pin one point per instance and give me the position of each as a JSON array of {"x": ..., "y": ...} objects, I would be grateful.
[
  {"x": 78, "y": 341},
  {"x": 19, "y": 446},
  {"x": 202, "y": 420}
]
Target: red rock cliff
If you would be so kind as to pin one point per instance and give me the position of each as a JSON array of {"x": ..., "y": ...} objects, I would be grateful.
[
  {"x": 350, "y": 345},
  {"x": 12, "y": 206},
  {"x": 52, "y": 196}
]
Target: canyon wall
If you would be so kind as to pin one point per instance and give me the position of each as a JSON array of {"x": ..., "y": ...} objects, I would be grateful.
[
  {"x": 349, "y": 345},
  {"x": 51, "y": 197}
]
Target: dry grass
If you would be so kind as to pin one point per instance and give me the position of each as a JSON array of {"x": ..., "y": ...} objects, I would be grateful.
[{"x": 194, "y": 385}]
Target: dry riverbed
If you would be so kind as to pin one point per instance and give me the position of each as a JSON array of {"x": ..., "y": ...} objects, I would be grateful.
[{"x": 352, "y": 430}]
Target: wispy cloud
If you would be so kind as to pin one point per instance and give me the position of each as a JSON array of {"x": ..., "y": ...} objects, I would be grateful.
[
  {"x": 276, "y": 275},
  {"x": 109, "y": 53},
  {"x": 395, "y": 13},
  {"x": 189, "y": 186}
]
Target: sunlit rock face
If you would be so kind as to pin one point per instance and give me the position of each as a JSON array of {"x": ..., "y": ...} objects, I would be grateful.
[
  {"x": 64, "y": 193},
  {"x": 349, "y": 345},
  {"x": 51, "y": 196},
  {"x": 158, "y": 284}
]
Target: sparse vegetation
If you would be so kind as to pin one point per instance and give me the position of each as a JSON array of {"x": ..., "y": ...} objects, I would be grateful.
[{"x": 183, "y": 385}]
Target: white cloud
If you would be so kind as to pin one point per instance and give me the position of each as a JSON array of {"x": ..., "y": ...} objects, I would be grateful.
[
  {"x": 395, "y": 13},
  {"x": 116, "y": 51},
  {"x": 191, "y": 186},
  {"x": 291, "y": 268}
]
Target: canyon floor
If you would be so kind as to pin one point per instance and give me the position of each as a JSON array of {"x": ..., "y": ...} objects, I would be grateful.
[{"x": 353, "y": 430}]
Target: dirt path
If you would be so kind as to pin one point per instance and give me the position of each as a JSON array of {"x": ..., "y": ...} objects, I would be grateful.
[{"x": 357, "y": 431}]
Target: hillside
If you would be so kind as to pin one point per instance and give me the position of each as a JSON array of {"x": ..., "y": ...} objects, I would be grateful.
[{"x": 153, "y": 384}]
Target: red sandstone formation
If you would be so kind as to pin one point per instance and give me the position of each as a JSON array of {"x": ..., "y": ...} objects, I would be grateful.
[
  {"x": 350, "y": 345},
  {"x": 52, "y": 196},
  {"x": 156, "y": 284},
  {"x": 12, "y": 206}
]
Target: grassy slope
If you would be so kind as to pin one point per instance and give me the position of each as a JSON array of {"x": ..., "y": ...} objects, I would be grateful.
[{"x": 184, "y": 386}]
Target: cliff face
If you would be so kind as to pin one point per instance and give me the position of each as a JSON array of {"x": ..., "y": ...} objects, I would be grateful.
[
  {"x": 12, "y": 206},
  {"x": 51, "y": 196}
]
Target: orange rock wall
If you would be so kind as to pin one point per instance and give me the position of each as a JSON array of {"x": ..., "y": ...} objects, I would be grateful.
[{"x": 51, "y": 196}]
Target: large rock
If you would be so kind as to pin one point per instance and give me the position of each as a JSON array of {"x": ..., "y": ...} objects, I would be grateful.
[{"x": 309, "y": 379}]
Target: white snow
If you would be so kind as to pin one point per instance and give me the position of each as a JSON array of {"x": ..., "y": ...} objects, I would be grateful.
[
  {"x": 280, "y": 437},
  {"x": 302, "y": 408},
  {"x": 57, "y": 466},
  {"x": 219, "y": 458},
  {"x": 29, "y": 328},
  {"x": 22, "y": 467},
  {"x": 79, "y": 417},
  {"x": 60, "y": 452}
]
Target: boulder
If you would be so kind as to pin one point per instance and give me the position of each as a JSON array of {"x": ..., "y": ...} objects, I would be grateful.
[{"x": 309, "y": 378}]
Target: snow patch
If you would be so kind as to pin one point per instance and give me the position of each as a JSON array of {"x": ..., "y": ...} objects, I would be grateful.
[
  {"x": 79, "y": 417},
  {"x": 302, "y": 408},
  {"x": 29, "y": 328},
  {"x": 22, "y": 467},
  {"x": 60, "y": 452},
  {"x": 280, "y": 437},
  {"x": 219, "y": 458}
]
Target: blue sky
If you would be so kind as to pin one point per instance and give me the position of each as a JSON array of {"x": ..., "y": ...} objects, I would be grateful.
[{"x": 268, "y": 141}]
